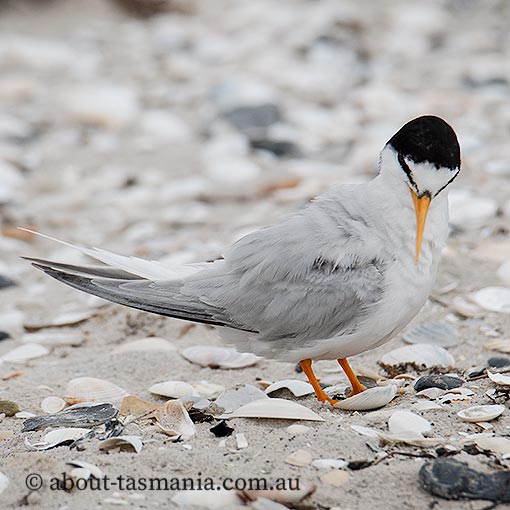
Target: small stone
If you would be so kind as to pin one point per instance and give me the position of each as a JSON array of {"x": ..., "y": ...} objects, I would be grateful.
[
  {"x": 9, "y": 408},
  {"x": 6, "y": 282},
  {"x": 250, "y": 117},
  {"x": 222, "y": 429},
  {"x": 444, "y": 382},
  {"x": 336, "y": 478},
  {"x": 299, "y": 458},
  {"x": 498, "y": 362},
  {"x": 280, "y": 149}
]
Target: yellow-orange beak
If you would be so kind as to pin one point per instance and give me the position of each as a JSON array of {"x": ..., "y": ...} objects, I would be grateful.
[{"x": 421, "y": 206}]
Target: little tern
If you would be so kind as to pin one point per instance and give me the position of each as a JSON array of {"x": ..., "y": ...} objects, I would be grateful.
[{"x": 335, "y": 279}]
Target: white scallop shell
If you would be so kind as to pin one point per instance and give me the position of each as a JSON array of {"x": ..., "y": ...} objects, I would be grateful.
[
  {"x": 499, "y": 379},
  {"x": 121, "y": 441},
  {"x": 25, "y": 352},
  {"x": 493, "y": 299},
  {"x": 481, "y": 413},
  {"x": 427, "y": 355},
  {"x": 208, "y": 390},
  {"x": 274, "y": 408},
  {"x": 52, "y": 405},
  {"x": 401, "y": 422},
  {"x": 437, "y": 333},
  {"x": 150, "y": 344},
  {"x": 174, "y": 421},
  {"x": 91, "y": 389},
  {"x": 373, "y": 398},
  {"x": 174, "y": 389},
  {"x": 296, "y": 387},
  {"x": 218, "y": 357}
]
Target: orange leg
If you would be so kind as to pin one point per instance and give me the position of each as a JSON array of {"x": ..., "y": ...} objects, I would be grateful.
[
  {"x": 306, "y": 365},
  {"x": 357, "y": 387}
]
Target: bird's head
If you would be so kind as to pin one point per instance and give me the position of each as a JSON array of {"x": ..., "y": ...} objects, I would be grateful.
[{"x": 425, "y": 154}]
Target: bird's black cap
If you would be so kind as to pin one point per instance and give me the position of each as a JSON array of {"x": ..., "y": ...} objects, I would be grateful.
[{"x": 428, "y": 139}]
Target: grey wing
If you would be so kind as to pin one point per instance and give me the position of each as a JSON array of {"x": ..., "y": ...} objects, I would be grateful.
[{"x": 306, "y": 277}]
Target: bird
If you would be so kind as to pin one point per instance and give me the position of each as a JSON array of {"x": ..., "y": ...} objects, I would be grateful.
[{"x": 338, "y": 277}]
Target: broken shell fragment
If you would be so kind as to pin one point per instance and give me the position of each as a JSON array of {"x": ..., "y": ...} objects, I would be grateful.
[
  {"x": 373, "y": 398},
  {"x": 499, "y": 379},
  {"x": 402, "y": 422},
  {"x": 173, "y": 419},
  {"x": 329, "y": 464},
  {"x": 296, "y": 387},
  {"x": 299, "y": 458},
  {"x": 135, "y": 406},
  {"x": 58, "y": 437},
  {"x": 274, "y": 408},
  {"x": 52, "y": 405},
  {"x": 87, "y": 466},
  {"x": 499, "y": 345},
  {"x": 218, "y": 357},
  {"x": 174, "y": 389},
  {"x": 418, "y": 355},
  {"x": 437, "y": 333},
  {"x": 231, "y": 400},
  {"x": 90, "y": 389},
  {"x": 481, "y": 413},
  {"x": 443, "y": 382},
  {"x": 122, "y": 443}
]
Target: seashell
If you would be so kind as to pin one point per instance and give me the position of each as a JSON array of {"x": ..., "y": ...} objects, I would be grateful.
[
  {"x": 122, "y": 443},
  {"x": 443, "y": 382},
  {"x": 219, "y": 499},
  {"x": 481, "y": 413},
  {"x": 91, "y": 389},
  {"x": 218, "y": 357},
  {"x": 437, "y": 333},
  {"x": 134, "y": 406},
  {"x": 493, "y": 299},
  {"x": 336, "y": 478},
  {"x": 81, "y": 415},
  {"x": 299, "y": 458},
  {"x": 366, "y": 431},
  {"x": 4, "y": 482},
  {"x": 274, "y": 408},
  {"x": 373, "y": 398},
  {"x": 420, "y": 355},
  {"x": 173, "y": 419},
  {"x": 288, "y": 497},
  {"x": 231, "y": 400},
  {"x": 53, "y": 339},
  {"x": 431, "y": 393},
  {"x": 499, "y": 445},
  {"x": 208, "y": 390},
  {"x": 297, "y": 429},
  {"x": 58, "y": 437},
  {"x": 402, "y": 422},
  {"x": 499, "y": 345},
  {"x": 241, "y": 441},
  {"x": 24, "y": 353},
  {"x": 87, "y": 466},
  {"x": 79, "y": 473},
  {"x": 465, "y": 308},
  {"x": 425, "y": 406},
  {"x": 499, "y": 379},
  {"x": 467, "y": 209},
  {"x": 173, "y": 389},
  {"x": 329, "y": 464},
  {"x": 52, "y": 405},
  {"x": 504, "y": 272},
  {"x": 296, "y": 387},
  {"x": 24, "y": 414},
  {"x": 68, "y": 318},
  {"x": 150, "y": 344}
]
